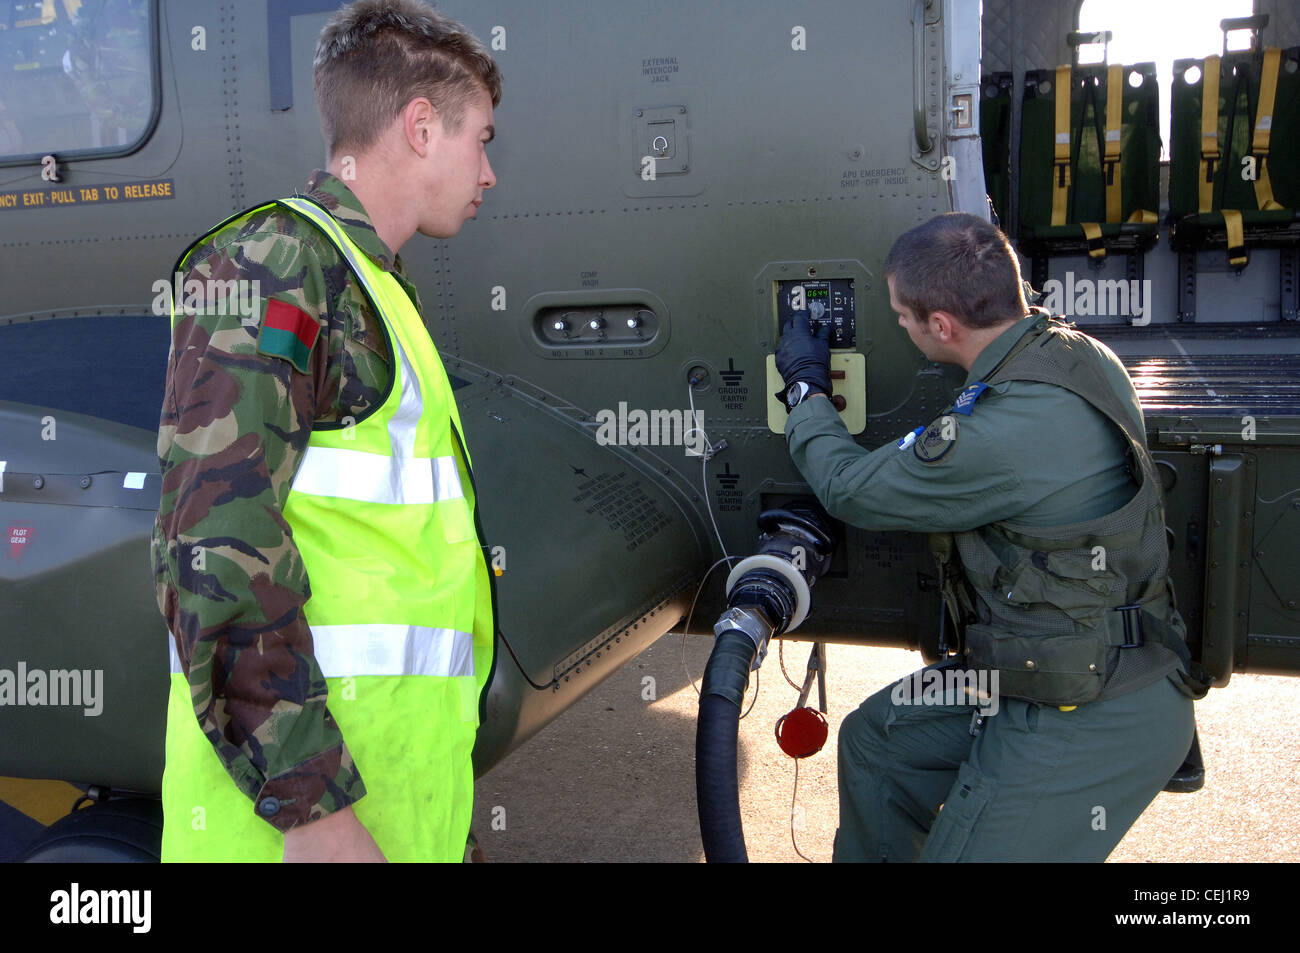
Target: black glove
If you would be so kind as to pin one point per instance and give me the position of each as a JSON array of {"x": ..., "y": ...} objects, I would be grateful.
[{"x": 804, "y": 356}]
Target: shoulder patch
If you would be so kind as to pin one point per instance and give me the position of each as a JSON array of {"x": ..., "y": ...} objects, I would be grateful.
[
  {"x": 287, "y": 332},
  {"x": 965, "y": 403},
  {"x": 937, "y": 441}
]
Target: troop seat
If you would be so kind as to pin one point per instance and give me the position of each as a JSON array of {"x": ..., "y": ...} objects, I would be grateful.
[
  {"x": 1234, "y": 174},
  {"x": 1089, "y": 163}
]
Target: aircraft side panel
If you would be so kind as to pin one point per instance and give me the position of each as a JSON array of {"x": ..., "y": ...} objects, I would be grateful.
[
  {"x": 83, "y": 675},
  {"x": 788, "y": 149}
]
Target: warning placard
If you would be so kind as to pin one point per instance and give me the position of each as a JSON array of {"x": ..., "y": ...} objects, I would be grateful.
[
  {"x": 66, "y": 196},
  {"x": 19, "y": 538}
]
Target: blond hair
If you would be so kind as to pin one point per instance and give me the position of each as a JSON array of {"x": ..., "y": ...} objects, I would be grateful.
[{"x": 375, "y": 56}]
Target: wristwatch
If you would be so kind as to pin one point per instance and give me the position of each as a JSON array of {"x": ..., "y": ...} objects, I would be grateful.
[{"x": 797, "y": 393}]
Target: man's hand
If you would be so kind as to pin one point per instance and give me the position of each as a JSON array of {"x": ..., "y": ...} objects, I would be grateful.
[
  {"x": 335, "y": 838},
  {"x": 804, "y": 356}
]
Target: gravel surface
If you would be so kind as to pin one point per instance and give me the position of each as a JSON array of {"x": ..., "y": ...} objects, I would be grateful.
[{"x": 613, "y": 779}]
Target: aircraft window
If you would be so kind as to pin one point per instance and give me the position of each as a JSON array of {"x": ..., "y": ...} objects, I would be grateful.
[
  {"x": 78, "y": 76},
  {"x": 1161, "y": 31}
]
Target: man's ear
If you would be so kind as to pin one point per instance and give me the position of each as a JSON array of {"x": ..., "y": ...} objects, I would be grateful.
[
  {"x": 945, "y": 326},
  {"x": 418, "y": 119}
]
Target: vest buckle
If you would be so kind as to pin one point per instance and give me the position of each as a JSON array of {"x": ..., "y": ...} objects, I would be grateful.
[{"x": 1132, "y": 616}]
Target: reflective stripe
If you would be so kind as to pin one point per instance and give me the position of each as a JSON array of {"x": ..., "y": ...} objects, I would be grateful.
[
  {"x": 380, "y": 649},
  {"x": 374, "y": 478},
  {"x": 406, "y": 419},
  {"x": 387, "y": 649}
]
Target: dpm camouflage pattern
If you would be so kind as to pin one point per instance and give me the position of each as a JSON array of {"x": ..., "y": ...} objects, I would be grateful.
[{"x": 235, "y": 423}]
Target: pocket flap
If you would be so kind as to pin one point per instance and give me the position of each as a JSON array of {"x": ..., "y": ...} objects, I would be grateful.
[{"x": 1049, "y": 669}]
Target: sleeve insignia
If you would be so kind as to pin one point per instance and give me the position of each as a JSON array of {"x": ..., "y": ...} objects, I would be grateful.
[
  {"x": 937, "y": 441},
  {"x": 287, "y": 332},
  {"x": 966, "y": 399}
]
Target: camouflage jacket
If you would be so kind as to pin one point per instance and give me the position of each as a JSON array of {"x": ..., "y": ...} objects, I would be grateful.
[{"x": 236, "y": 417}]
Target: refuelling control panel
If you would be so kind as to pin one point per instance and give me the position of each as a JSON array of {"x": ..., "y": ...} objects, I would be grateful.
[{"x": 829, "y": 303}]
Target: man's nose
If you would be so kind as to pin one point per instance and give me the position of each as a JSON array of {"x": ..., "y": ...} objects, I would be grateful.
[{"x": 489, "y": 178}]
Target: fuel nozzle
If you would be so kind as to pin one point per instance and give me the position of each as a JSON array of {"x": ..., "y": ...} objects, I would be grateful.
[{"x": 768, "y": 593}]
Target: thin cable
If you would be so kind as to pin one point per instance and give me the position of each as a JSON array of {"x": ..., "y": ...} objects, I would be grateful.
[
  {"x": 1276, "y": 498},
  {"x": 780, "y": 652},
  {"x": 758, "y": 683},
  {"x": 708, "y": 505},
  {"x": 793, "y": 799},
  {"x": 709, "y": 451},
  {"x": 687, "y": 627}
]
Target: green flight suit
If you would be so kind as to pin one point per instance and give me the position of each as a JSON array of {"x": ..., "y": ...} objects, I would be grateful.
[{"x": 1036, "y": 782}]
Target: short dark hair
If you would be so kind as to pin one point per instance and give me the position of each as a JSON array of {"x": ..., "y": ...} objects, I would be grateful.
[
  {"x": 961, "y": 264},
  {"x": 375, "y": 56}
]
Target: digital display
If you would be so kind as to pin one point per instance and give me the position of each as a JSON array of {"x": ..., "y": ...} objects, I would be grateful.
[{"x": 827, "y": 302}]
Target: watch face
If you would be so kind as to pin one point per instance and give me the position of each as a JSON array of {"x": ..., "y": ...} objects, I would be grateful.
[{"x": 795, "y": 394}]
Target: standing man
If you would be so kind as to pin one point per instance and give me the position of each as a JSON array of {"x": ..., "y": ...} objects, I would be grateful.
[
  {"x": 316, "y": 552},
  {"x": 1046, "y": 517}
]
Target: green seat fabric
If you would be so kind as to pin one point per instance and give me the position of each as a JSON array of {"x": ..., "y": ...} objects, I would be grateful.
[
  {"x": 1139, "y": 156},
  {"x": 1239, "y": 89}
]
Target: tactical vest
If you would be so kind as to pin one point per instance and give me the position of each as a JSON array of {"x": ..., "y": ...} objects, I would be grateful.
[
  {"x": 1075, "y": 613},
  {"x": 401, "y": 614}
]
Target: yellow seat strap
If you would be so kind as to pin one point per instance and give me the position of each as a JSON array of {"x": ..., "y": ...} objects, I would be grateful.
[
  {"x": 1209, "y": 131},
  {"x": 1061, "y": 156},
  {"x": 1111, "y": 163},
  {"x": 1263, "y": 128},
  {"x": 1236, "y": 238},
  {"x": 1143, "y": 216},
  {"x": 1093, "y": 232}
]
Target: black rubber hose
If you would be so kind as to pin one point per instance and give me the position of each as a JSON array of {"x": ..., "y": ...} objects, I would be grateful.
[{"x": 717, "y": 787}]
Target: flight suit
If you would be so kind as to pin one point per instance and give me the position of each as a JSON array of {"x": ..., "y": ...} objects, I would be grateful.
[{"x": 1033, "y": 781}]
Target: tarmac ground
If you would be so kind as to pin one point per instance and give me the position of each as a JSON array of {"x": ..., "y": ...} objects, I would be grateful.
[{"x": 613, "y": 778}]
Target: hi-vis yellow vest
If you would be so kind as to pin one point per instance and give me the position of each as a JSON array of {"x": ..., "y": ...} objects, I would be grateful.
[{"x": 400, "y": 613}]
